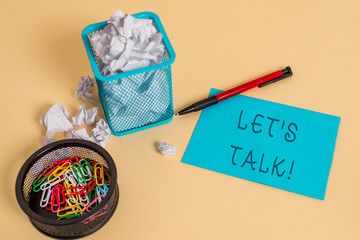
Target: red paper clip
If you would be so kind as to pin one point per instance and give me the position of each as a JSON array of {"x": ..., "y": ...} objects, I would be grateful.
[
  {"x": 50, "y": 169},
  {"x": 88, "y": 188}
]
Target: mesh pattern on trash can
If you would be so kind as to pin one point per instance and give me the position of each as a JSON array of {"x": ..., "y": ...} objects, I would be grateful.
[{"x": 140, "y": 98}]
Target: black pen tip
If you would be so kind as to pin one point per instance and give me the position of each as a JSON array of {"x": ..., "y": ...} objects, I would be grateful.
[{"x": 177, "y": 114}]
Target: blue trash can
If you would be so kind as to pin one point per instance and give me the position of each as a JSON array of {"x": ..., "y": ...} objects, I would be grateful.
[{"x": 137, "y": 99}]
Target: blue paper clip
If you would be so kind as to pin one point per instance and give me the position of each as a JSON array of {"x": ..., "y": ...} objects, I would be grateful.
[{"x": 103, "y": 191}]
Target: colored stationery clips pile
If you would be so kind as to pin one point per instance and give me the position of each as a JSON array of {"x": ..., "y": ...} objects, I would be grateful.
[{"x": 72, "y": 187}]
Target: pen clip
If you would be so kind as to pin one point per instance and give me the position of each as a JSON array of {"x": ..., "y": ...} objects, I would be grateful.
[{"x": 287, "y": 72}]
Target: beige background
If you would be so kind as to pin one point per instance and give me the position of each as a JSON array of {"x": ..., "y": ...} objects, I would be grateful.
[{"x": 218, "y": 44}]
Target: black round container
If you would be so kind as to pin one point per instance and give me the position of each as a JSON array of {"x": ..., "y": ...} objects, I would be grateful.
[{"x": 75, "y": 227}]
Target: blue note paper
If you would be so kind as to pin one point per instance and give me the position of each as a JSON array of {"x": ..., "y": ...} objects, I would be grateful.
[{"x": 266, "y": 142}]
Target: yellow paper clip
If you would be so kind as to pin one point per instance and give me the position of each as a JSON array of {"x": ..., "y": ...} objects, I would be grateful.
[
  {"x": 58, "y": 171},
  {"x": 101, "y": 173},
  {"x": 79, "y": 207},
  {"x": 73, "y": 197}
]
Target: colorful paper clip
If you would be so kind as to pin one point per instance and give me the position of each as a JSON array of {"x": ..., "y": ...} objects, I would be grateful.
[
  {"x": 75, "y": 168},
  {"x": 71, "y": 187},
  {"x": 58, "y": 171},
  {"x": 79, "y": 207},
  {"x": 99, "y": 174},
  {"x": 92, "y": 202}
]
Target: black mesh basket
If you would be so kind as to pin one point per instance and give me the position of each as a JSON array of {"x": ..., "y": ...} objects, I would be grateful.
[{"x": 47, "y": 222}]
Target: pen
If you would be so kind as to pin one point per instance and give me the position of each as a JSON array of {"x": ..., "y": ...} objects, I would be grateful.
[{"x": 260, "y": 82}]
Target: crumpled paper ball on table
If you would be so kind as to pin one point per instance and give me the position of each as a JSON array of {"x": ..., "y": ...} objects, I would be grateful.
[
  {"x": 101, "y": 133},
  {"x": 166, "y": 149},
  {"x": 84, "y": 86},
  {"x": 56, "y": 120},
  {"x": 84, "y": 116}
]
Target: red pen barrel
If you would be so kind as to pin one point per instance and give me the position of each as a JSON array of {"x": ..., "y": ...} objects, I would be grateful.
[
  {"x": 242, "y": 88},
  {"x": 260, "y": 82}
]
